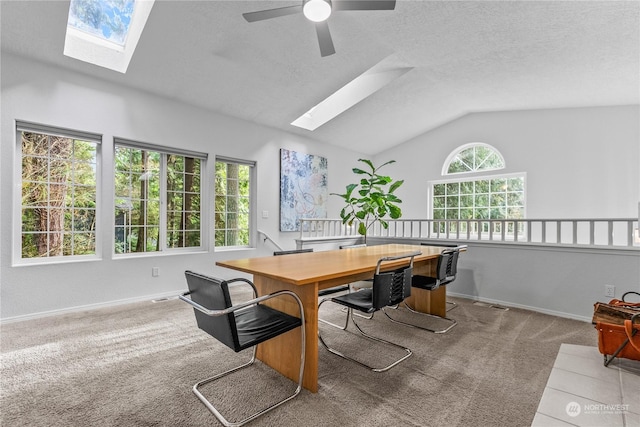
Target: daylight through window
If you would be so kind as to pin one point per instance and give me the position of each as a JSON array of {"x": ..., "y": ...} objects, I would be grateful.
[
  {"x": 233, "y": 202},
  {"x": 496, "y": 197},
  {"x": 157, "y": 199},
  {"x": 59, "y": 192}
]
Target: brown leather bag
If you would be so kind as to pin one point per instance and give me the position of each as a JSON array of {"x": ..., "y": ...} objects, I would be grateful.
[
  {"x": 611, "y": 337},
  {"x": 623, "y": 303}
]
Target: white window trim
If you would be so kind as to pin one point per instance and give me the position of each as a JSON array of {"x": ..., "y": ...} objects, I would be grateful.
[
  {"x": 16, "y": 245},
  {"x": 454, "y": 153},
  {"x": 94, "y": 50},
  {"x": 162, "y": 232}
]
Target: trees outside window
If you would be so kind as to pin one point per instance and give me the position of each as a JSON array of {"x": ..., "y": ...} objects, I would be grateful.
[
  {"x": 157, "y": 199},
  {"x": 233, "y": 186},
  {"x": 476, "y": 198},
  {"x": 59, "y": 192}
]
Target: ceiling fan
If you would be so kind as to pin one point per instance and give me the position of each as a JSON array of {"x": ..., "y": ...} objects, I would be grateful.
[{"x": 318, "y": 11}]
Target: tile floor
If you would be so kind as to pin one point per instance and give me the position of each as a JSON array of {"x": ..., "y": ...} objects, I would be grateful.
[{"x": 582, "y": 392}]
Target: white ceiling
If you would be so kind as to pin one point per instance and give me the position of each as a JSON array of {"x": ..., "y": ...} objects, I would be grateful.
[{"x": 468, "y": 56}]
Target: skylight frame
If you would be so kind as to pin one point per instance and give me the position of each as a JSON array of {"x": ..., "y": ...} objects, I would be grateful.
[
  {"x": 360, "y": 88},
  {"x": 104, "y": 53}
]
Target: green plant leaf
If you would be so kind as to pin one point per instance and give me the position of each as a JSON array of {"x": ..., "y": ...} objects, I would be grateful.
[
  {"x": 395, "y": 185},
  {"x": 350, "y": 189},
  {"x": 384, "y": 164},
  {"x": 369, "y": 162},
  {"x": 394, "y": 211},
  {"x": 362, "y": 229}
]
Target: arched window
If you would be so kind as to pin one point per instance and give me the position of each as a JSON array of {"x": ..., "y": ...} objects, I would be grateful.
[
  {"x": 474, "y": 157},
  {"x": 498, "y": 196}
]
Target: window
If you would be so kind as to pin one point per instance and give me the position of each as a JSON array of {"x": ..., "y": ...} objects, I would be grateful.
[
  {"x": 486, "y": 197},
  {"x": 157, "y": 198},
  {"x": 233, "y": 204},
  {"x": 500, "y": 197},
  {"x": 59, "y": 192},
  {"x": 473, "y": 157},
  {"x": 105, "y": 32}
]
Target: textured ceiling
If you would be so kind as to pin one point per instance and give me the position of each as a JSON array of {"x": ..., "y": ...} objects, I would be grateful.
[{"x": 468, "y": 56}]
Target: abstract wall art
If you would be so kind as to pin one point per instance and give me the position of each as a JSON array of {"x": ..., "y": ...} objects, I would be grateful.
[{"x": 303, "y": 188}]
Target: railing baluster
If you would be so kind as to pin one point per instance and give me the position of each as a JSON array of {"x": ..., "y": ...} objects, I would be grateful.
[
  {"x": 610, "y": 232},
  {"x": 522, "y": 230}
]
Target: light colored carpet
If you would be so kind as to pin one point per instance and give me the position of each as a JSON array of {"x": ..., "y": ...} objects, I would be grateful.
[{"x": 134, "y": 365}]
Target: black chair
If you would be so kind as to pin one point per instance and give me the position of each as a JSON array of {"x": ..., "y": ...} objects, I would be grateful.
[
  {"x": 446, "y": 270},
  {"x": 293, "y": 251},
  {"x": 239, "y": 327},
  {"x": 454, "y": 270},
  {"x": 389, "y": 288}
]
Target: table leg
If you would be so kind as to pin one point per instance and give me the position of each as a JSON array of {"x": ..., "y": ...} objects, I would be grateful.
[{"x": 283, "y": 353}]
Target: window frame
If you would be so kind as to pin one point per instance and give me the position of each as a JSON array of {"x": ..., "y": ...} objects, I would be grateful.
[
  {"x": 482, "y": 177},
  {"x": 21, "y": 126},
  {"x": 253, "y": 192},
  {"x": 454, "y": 153},
  {"x": 162, "y": 221}
]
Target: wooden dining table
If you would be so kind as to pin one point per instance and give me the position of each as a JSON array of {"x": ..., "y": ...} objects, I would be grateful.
[{"x": 306, "y": 274}]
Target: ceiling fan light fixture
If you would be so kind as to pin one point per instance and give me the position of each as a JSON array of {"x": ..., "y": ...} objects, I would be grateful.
[{"x": 317, "y": 10}]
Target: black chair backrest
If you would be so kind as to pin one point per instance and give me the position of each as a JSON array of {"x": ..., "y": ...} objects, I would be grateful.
[
  {"x": 392, "y": 287},
  {"x": 213, "y": 294},
  {"x": 359, "y": 245},
  {"x": 447, "y": 266},
  {"x": 293, "y": 251}
]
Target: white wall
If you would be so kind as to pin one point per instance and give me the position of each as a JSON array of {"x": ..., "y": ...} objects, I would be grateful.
[
  {"x": 580, "y": 162},
  {"x": 39, "y": 93}
]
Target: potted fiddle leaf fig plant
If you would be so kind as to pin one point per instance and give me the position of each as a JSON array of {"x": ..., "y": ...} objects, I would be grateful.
[{"x": 371, "y": 200}]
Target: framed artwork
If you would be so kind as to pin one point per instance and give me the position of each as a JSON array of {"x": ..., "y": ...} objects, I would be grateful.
[{"x": 303, "y": 188}]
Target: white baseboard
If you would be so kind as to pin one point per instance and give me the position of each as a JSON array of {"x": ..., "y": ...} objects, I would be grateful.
[
  {"x": 75, "y": 309},
  {"x": 522, "y": 306},
  {"x": 149, "y": 298}
]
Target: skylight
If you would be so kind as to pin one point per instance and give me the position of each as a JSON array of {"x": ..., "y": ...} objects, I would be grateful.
[
  {"x": 363, "y": 86},
  {"x": 105, "y": 32}
]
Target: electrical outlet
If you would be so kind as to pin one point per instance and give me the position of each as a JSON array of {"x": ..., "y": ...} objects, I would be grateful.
[
  {"x": 609, "y": 291},
  {"x": 155, "y": 271}
]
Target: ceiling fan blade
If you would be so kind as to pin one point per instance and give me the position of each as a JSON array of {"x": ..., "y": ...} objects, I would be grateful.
[
  {"x": 324, "y": 39},
  {"x": 363, "y": 4},
  {"x": 272, "y": 13}
]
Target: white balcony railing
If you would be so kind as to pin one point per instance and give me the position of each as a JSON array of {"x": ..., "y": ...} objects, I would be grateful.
[{"x": 610, "y": 232}]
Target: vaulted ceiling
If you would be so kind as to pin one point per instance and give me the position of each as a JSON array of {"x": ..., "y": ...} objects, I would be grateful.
[{"x": 467, "y": 56}]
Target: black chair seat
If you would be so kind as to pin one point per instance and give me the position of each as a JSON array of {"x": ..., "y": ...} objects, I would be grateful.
[
  {"x": 425, "y": 282},
  {"x": 261, "y": 323},
  {"x": 334, "y": 290},
  {"x": 360, "y": 300}
]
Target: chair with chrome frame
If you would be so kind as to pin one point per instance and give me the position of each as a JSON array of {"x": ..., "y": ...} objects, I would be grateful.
[
  {"x": 240, "y": 327},
  {"x": 389, "y": 288},
  {"x": 445, "y": 273},
  {"x": 460, "y": 248}
]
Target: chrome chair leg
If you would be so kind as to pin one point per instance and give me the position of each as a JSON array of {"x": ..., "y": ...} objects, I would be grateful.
[
  {"x": 453, "y": 322},
  {"x": 351, "y": 315},
  {"x": 452, "y": 305}
]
